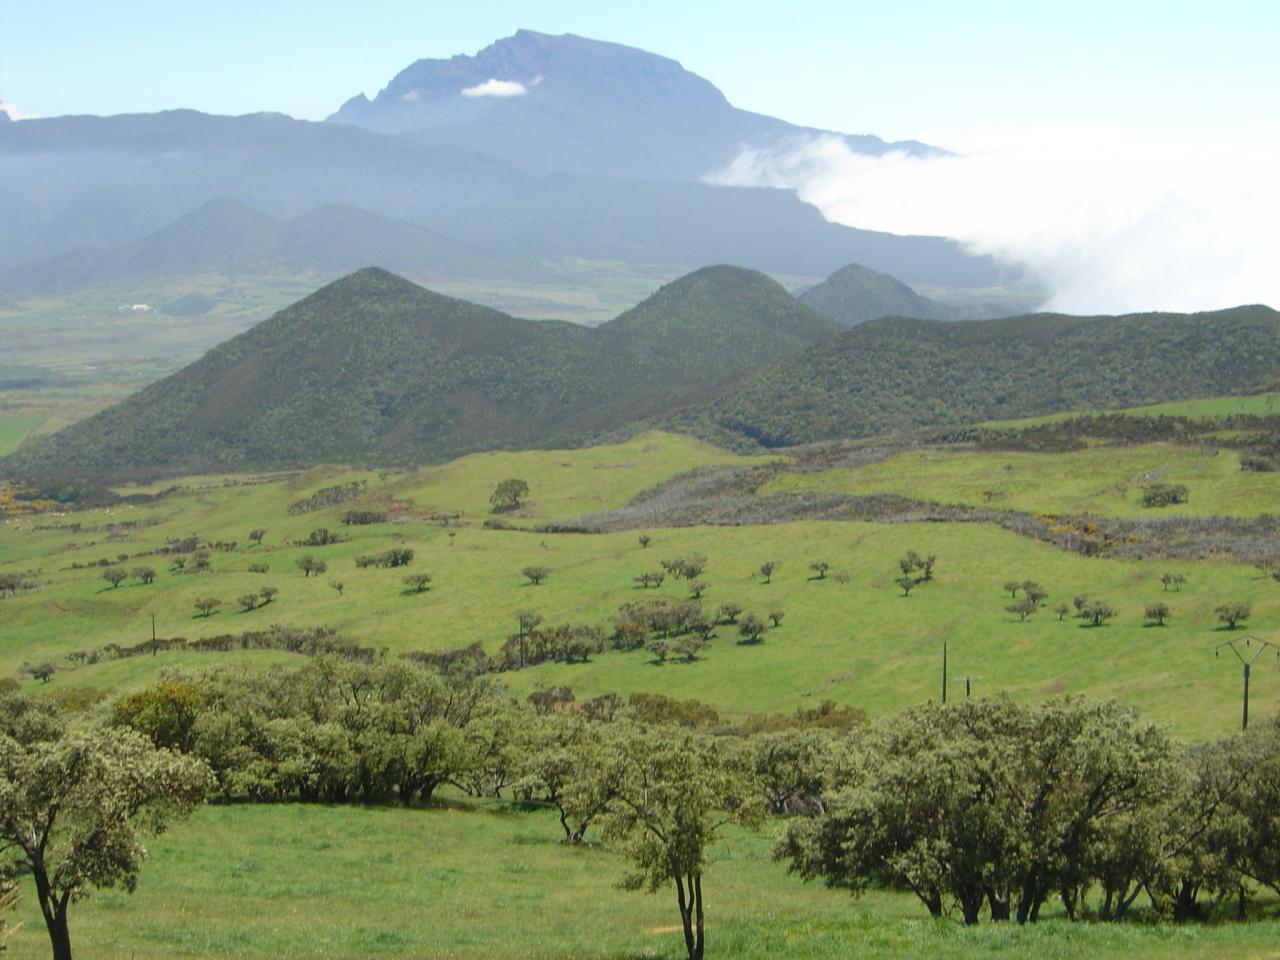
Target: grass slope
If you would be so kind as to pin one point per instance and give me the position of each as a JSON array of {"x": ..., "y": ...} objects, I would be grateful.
[
  {"x": 470, "y": 880},
  {"x": 373, "y": 367},
  {"x": 900, "y": 374},
  {"x": 861, "y": 643},
  {"x": 1102, "y": 480},
  {"x": 855, "y": 294}
]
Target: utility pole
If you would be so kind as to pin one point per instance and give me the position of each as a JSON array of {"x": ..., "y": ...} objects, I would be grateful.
[
  {"x": 154, "y": 645},
  {"x": 1246, "y": 662},
  {"x": 944, "y": 671}
]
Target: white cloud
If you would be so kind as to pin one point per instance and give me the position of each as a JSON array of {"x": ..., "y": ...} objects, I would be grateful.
[
  {"x": 497, "y": 88},
  {"x": 412, "y": 95},
  {"x": 1110, "y": 221},
  {"x": 12, "y": 111}
]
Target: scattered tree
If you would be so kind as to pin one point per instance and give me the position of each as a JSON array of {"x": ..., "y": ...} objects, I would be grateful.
[
  {"x": 1061, "y": 610},
  {"x": 535, "y": 574},
  {"x": 1033, "y": 592},
  {"x": 776, "y": 616},
  {"x": 143, "y": 574},
  {"x": 1096, "y": 612},
  {"x": 728, "y": 612},
  {"x": 256, "y": 536},
  {"x": 907, "y": 584},
  {"x": 1232, "y": 614},
  {"x": 267, "y": 594},
  {"x": 1023, "y": 609},
  {"x": 673, "y": 795},
  {"x": 310, "y": 566},
  {"x": 508, "y": 494},
  {"x": 1013, "y": 586},
  {"x": 766, "y": 570},
  {"x": 820, "y": 567},
  {"x": 75, "y": 806},
  {"x": 337, "y": 585},
  {"x": 114, "y": 576},
  {"x": 750, "y": 629},
  {"x": 248, "y": 602},
  {"x": 1175, "y": 580},
  {"x": 696, "y": 589},
  {"x": 644, "y": 540},
  {"x": 206, "y": 605},
  {"x": 1157, "y": 613},
  {"x": 842, "y": 577},
  {"x": 418, "y": 582}
]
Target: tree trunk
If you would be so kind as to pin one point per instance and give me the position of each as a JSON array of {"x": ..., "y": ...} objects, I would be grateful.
[
  {"x": 54, "y": 911},
  {"x": 697, "y": 902},
  {"x": 998, "y": 901},
  {"x": 686, "y": 917}
]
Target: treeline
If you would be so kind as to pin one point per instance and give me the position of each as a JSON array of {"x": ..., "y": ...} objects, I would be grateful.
[{"x": 983, "y": 807}]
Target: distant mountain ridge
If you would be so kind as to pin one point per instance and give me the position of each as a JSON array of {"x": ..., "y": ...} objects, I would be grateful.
[
  {"x": 570, "y": 104},
  {"x": 372, "y": 367},
  {"x": 227, "y": 236}
]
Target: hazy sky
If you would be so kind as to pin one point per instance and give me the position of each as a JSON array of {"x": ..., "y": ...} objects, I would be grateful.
[
  {"x": 945, "y": 71},
  {"x": 1123, "y": 149}
]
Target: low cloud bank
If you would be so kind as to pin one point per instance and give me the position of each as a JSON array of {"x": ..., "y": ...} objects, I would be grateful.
[
  {"x": 496, "y": 88},
  {"x": 1111, "y": 222}
]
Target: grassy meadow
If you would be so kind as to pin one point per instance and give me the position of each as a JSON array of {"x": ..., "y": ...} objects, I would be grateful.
[
  {"x": 472, "y": 879},
  {"x": 1100, "y": 480},
  {"x": 478, "y": 880},
  {"x": 860, "y": 642}
]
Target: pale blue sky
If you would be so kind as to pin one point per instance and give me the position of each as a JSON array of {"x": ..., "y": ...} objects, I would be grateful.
[{"x": 914, "y": 68}]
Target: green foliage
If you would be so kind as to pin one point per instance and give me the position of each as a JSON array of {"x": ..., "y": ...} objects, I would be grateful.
[
  {"x": 901, "y": 374},
  {"x": 373, "y": 366},
  {"x": 1164, "y": 494},
  {"x": 508, "y": 494},
  {"x": 855, "y": 294},
  {"x": 74, "y": 804}
]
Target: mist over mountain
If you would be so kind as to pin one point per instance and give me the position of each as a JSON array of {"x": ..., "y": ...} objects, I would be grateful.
[
  {"x": 569, "y": 104},
  {"x": 539, "y": 149}
]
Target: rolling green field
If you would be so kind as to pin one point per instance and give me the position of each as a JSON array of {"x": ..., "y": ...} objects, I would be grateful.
[
  {"x": 470, "y": 880},
  {"x": 1102, "y": 480},
  {"x": 13, "y": 429},
  {"x": 1205, "y": 409},
  {"x": 861, "y": 643}
]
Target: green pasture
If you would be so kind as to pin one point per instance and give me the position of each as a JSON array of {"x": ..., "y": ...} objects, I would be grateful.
[
  {"x": 468, "y": 880},
  {"x": 13, "y": 429},
  {"x": 860, "y": 643},
  {"x": 1208, "y": 408},
  {"x": 1102, "y": 480}
]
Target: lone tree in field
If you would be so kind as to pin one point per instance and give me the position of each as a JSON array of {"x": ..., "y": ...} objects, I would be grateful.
[
  {"x": 508, "y": 494},
  {"x": 751, "y": 628},
  {"x": 309, "y": 565},
  {"x": 418, "y": 582},
  {"x": 256, "y": 536},
  {"x": 1033, "y": 592},
  {"x": 536, "y": 575},
  {"x": 671, "y": 795},
  {"x": 206, "y": 605},
  {"x": 766, "y": 570},
  {"x": 114, "y": 576},
  {"x": 1096, "y": 612},
  {"x": 820, "y": 567},
  {"x": 1157, "y": 613},
  {"x": 1023, "y": 609},
  {"x": 73, "y": 809},
  {"x": 1233, "y": 613},
  {"x": 842, "y": 577}
]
